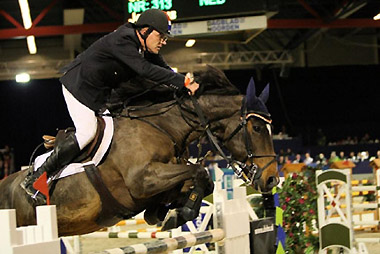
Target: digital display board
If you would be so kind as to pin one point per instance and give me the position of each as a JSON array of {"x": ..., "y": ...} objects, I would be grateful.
[{"x": 190, "y": 10}]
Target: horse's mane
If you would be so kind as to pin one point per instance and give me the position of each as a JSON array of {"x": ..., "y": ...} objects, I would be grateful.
[{"x": 212, "y": 82}]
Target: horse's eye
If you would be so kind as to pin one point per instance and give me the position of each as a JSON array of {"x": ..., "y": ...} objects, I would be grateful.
[{"x": 257, "y": 128}]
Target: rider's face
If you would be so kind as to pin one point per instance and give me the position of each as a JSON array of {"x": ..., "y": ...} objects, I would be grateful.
[{"x": 155, "y": 41}]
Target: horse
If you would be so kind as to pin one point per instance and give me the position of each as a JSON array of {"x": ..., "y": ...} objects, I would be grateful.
[{"x": 147, "y": 168}]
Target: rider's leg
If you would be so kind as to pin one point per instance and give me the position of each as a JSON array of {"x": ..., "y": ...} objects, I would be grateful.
[
  {"x": 84, "y": 119},
  {"x": 85, "y": 124}
]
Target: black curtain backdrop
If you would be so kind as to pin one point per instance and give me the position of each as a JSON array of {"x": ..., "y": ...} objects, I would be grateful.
[
  {"x": 29, "y": 111},
  {"x": 342, "y": 101}
]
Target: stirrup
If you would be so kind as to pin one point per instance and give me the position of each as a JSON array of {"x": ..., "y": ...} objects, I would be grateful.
[
  {"x": 38, "y": 198},
  {"x": 27, "y": 185}
]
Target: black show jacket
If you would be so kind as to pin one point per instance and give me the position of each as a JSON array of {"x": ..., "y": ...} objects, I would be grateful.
[{"x": 113, "y": 59}]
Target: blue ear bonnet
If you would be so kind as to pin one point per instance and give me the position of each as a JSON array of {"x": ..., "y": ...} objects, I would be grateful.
[{"x": 256, "y": 104}]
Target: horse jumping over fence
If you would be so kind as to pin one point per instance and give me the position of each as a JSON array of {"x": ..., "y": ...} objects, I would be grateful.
[{"x": 146, "y": 166}]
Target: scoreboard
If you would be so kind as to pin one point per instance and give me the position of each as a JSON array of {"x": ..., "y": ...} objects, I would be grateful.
[{"x": 190, "y": 10}]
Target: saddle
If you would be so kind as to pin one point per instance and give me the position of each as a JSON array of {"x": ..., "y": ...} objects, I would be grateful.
[
  {"x": 111, "y": 210},
  {"x": 88, "y": 152}
]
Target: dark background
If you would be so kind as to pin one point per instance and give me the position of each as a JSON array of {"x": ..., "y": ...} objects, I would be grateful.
[{"x": 342, "y": 101}]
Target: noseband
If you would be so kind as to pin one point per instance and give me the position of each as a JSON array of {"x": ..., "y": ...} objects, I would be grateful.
[{"x": 248, "y": 173}]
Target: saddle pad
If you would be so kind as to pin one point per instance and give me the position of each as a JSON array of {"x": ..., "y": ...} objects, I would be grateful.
[{"x": 75, "y": 168}]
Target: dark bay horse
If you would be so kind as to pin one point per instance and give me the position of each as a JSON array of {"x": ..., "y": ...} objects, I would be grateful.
[{"x": 142, "y": 171}]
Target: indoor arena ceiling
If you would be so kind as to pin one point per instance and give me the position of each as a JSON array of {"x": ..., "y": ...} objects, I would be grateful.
[{"x": 289, "y": 24}]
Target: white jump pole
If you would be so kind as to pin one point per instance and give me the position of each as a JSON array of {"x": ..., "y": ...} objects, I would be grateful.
[{"x": 169, "y": 244}]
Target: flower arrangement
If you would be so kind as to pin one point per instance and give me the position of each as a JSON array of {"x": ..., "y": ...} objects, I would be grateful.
[{"x": 298, "y": 199}]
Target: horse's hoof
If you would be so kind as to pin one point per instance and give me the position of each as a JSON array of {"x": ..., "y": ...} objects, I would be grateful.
[
  {"x": 156, "y": 215},
  {"x": 150, "y": 216},
  {"x": 172, "y": 221}
]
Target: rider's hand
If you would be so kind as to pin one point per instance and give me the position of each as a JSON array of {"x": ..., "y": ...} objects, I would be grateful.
[
  {"x": 193, "y": 87},
  {"x": 190, "y": 84}
]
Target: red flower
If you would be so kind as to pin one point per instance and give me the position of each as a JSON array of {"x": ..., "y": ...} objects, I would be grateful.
[
  {"x": 294, "y": 176},
  {"x": 311, "y": 211},
  {"x": 283, "y": 207},
  {"x": 301, "y": 200},
  {"x": 287, "y": 199}
]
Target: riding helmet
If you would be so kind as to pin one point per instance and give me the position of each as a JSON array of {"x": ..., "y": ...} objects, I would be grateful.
[{"x": 156, "y": 19}]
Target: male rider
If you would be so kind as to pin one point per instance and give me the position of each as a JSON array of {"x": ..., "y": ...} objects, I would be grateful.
[{"x": 130, "y": 50}]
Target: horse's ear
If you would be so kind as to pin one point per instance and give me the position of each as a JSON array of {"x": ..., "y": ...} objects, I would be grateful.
[
  {"x": 251, "y": 92},
  {"x": 265, "y": 94}
]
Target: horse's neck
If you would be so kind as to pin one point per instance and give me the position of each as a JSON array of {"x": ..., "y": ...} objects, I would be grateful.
[
  {"x": 217, "y": 107},
  {"x": 170, "y": 122},
  {"x": 217, "y": 110}
]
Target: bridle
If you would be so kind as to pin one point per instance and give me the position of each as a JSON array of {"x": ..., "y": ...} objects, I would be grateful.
[{"x": 248, "y": 173}]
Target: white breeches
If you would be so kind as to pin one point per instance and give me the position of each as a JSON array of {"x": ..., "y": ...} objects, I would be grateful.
[{"x": 84, "y": 119}]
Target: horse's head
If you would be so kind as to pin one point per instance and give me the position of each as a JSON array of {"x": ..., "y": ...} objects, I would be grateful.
[
  {"x": 250, "y": 142},
  {"x": 246, "y": 133}
]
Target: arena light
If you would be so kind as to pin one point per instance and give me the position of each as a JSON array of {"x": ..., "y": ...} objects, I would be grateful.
[
  {"x": 190, "y": 43},
  {"x": 31, "y": 44},
  {"x": 27, "y": 20},
  {"x": 25, "y": 13},
  {"x": 22, "y": 77},
  {"x": 377, "y": 17}
]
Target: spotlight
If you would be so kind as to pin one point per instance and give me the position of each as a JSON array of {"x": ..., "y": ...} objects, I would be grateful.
[
  {"x": 22, "y": 77},
  {"x": 190, "y": 43}
]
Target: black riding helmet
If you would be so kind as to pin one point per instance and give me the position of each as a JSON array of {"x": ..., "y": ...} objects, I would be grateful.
[{"x": 155, "y": 19}]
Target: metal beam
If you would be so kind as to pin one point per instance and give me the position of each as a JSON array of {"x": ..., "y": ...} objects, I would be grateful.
[
  {"x": 315, "y": 23},
  {"x": 10, "y": 19},
  {"x": 59, "y": 30},
  {"x": 108, "y": 27},
  {"x": 42, "y": 68},
  {"x": 38, "y": 69},
  {"x": 226, "y": 60},
  {"x": 113, "y": 14},
  {"x": 43, "y": 13},
  {"x": 309, "y": 9}
]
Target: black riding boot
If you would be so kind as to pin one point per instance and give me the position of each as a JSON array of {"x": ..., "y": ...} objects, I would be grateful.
[{"x": 64, "y": 152}]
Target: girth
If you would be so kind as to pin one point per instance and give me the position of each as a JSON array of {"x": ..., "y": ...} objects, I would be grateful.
[{"x": 112, "y": 210}]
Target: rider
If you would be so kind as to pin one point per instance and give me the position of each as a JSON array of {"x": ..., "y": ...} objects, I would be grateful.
[{"x": 130, "y": 50}]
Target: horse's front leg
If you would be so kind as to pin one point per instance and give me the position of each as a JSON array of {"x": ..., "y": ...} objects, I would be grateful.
[
  {"x": 188, "y": 206},
  {"x": 159, "y": 177}
]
